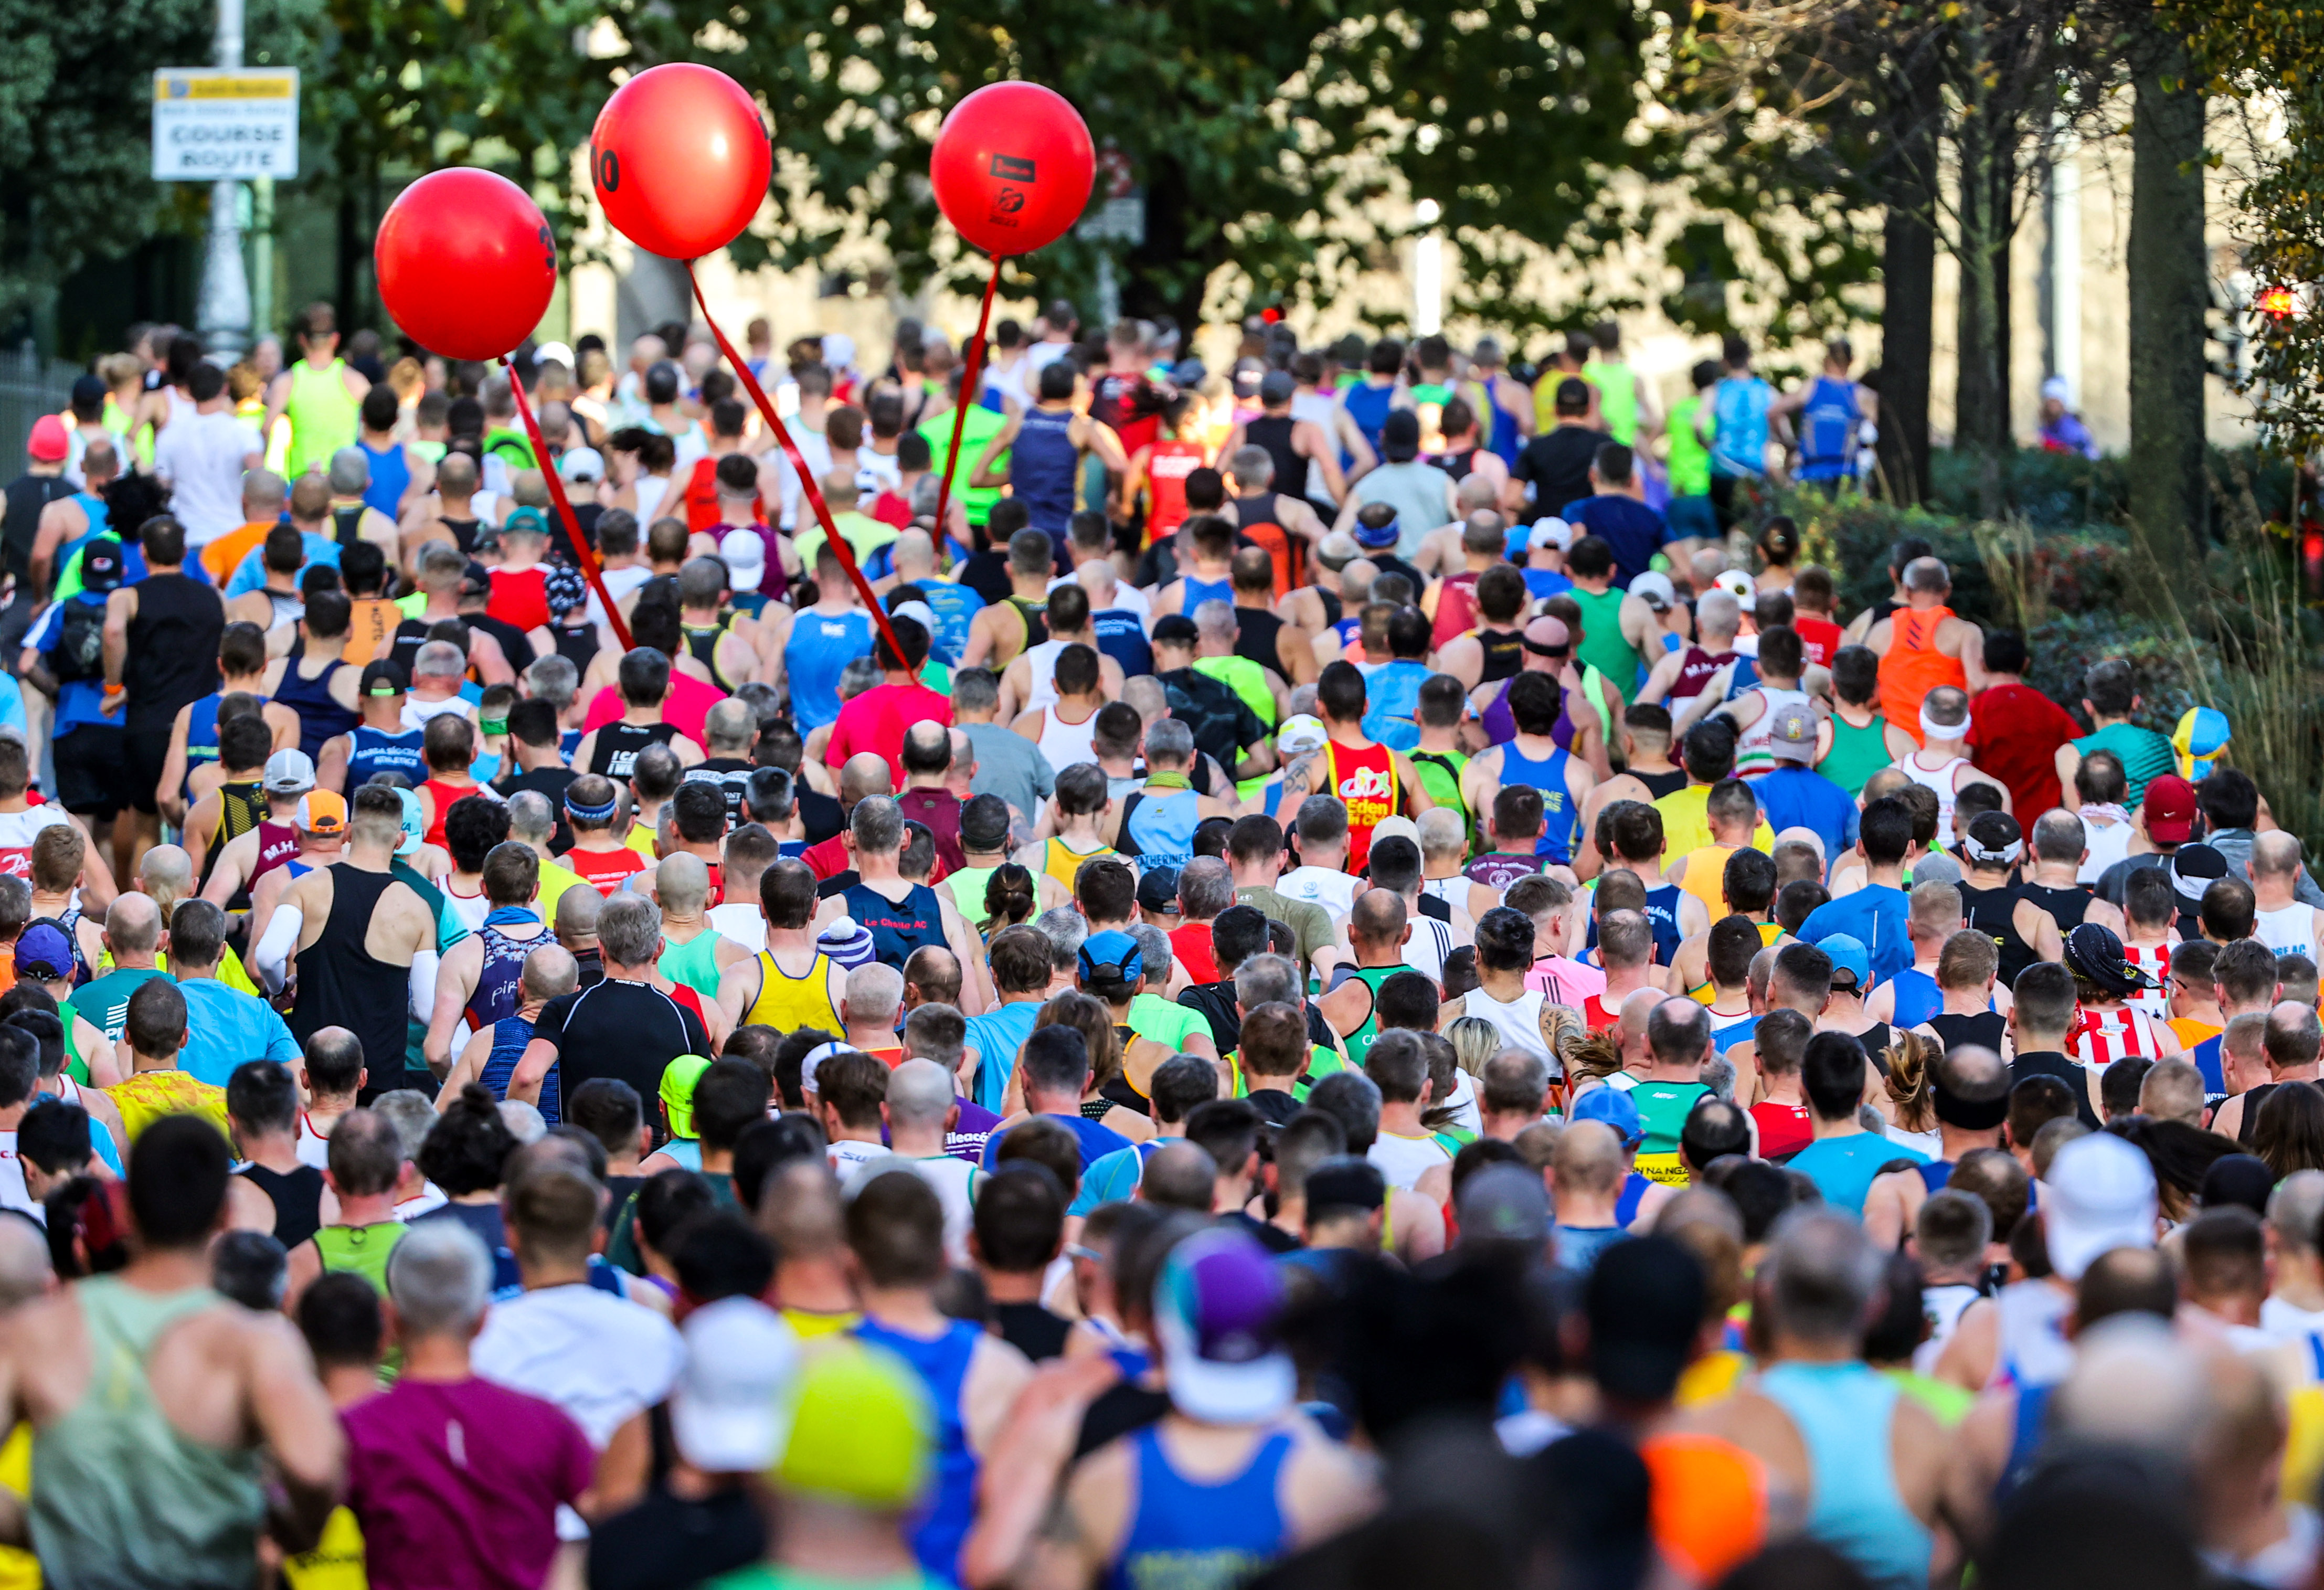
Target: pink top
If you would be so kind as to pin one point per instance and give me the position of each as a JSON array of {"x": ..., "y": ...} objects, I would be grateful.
[
  {"x": 1565, "y": 981},
  {"x": 876, "y": 721},
  {"x": 688, "y": 702}
]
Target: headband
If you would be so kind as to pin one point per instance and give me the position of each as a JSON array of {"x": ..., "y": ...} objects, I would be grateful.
[
  {"x": 2189, "y": 889},
  {"x": 1539, "y": 650},
  {"x": 1968, "y": 1114},
  {"x": 592, "y": 814},
  {"x": 1930, "y": 729},
  {"x": 1987, "y": 856}
]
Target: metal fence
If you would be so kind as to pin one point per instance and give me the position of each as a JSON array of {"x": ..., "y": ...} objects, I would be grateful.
[{"x": 30, "y": 387}]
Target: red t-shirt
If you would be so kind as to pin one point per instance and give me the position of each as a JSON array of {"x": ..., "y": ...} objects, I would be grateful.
[
  {"x": 1784, "y": 1128},
  {"x": 1166, "y": 469},
  {"x": 828, "y": 859},
  {"x": 519, "y": 596},
  {"x": 1456, "y": 607},
  {"x": 1190, "y": 946},
  {"x": 2014, "y": 732},
  {"x": 603, "y": 870},
  {"x": 688, "y": 702},
  {"x": 876, "y": 721},
  {"x": 1819, "y": 638}
]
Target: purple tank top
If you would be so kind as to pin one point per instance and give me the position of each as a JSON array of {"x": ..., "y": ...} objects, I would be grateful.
[{"x": 1500, "y": 727}]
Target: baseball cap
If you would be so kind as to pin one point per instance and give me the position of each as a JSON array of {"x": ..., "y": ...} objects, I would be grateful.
[
  {"x": 2201, "y": 735},
  {"x": 100, "y": 565},
  {"x": 1737, "y": 584},
  {"x": 290, "y": 772},
  {"x": 919, "y": 613},
  {"x": 677, "y": 1090},
  {"x": 1376, "y": 536},
  {"x": 857, "y": 1428},
  {"x": 581, "y": 465},
  {"x": 563, "y": 588},
  {"x": 846, "y": 942},
  {"x": 1346, "y": 1181},
  {"x": 415, "y": 825},
  {"x": 1188, "y": 374},
  {"x": 2093, "y": 953},
  {"x": 1111, "y": 959},
  {"x": 529, "y": 520},
  {"x": 816, "y": 1056},
  {"x": 553, "y": 353},
  {"x": 1614, "y": 1107},
  {"x": 1654, "y": 588},
  {"x": 745, "y": 557},
  {"x": 1645, "y": 1311},
  {"x": 1248, "y": 375},
  {"x": 1994, "y": 839},
  {"x": 1400, "y": 435},
  {"x": 1936, "y": 867},
  {"x": 2099, "y": 1196},
  {"x": 44, "y": 949},
  {"x": 1175, "y": 628},
  {"x": 2193, "y": 869},
  {"x": 1791, "y": 732},
  {"x": 1276, "y": 387},
  {"x": 386, "y": 678},
  {"x": 321, "y": 811},
  {"x": 1301, "y": 732},
  {"x": 1848, "y": 955},
  {"x": 50, "y": 440},
  {"x": 1505, "y": 1204},
  {"x": 727, "y": 1411},
  {"x": 1158, "y": 890},
  {"x": 1396, "y": 827},
  {"x": 1549, "y": 532},
  {"x": 87, "y": 388},
  {"x": 1215, "y": 1306},
  {"x": 2168, "y": 808}
]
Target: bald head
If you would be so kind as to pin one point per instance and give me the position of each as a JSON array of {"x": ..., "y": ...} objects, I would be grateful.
[
  {"x": 2275, "y": 854},
  {"x": 167, "y": 873},
  {"x": 1588, "y": 1158},
  {"x": 550, "y": 973},
  {"x": 2172, "y": 1090},
  {"x": 1545, "y": 635},
  {"x": 682, "y": 884},
  {"x": 25, "y": 1272},
  {"x": 133, "y": 925},
  {"x": 919, "y": 1095},
  {"x": 1180, "y": 1175},
  {"x": 864, "y": 773},
  {"x": 2293, "y": 1035},
  {"x": 1637, "y": 1010},
  {"x": 577, "y": 911},
  {"x": 1377, "y": 920}
]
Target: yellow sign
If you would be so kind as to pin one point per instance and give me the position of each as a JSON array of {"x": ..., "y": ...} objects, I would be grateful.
[{"x": 213, "y": 123}]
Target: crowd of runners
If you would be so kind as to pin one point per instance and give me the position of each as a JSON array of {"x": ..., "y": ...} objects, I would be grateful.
[{"x": 1372, "y": 980}]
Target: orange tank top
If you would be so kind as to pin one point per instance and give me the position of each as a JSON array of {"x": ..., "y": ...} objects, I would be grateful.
[
  {"x": 1282, "y": 550},
  {"x": 1365, "y": 782},
  {"x": 1914, "y": 666}
]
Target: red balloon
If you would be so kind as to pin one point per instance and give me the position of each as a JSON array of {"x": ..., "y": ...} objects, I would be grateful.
[
  {"x": 1011, "y": 167},
  {"x": 466, "y": 262},
  {"x": 680, "y": 160}
]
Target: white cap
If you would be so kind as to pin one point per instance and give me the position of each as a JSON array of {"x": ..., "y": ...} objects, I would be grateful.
[
  {"x": 1656, "y": 589},
  {"x": 577, "y": 464},
  {"x": 1549, "y": 532},
  {"x": 919, "y": 613},
  {"x": 1300, "y": 733},
  {"x": 2055, "y": 387},
  {"x": 2099, "y": 1196},
  {"x": 554, "y": 352},
  {"x": 1396, "y": 827},
  {"x": 820, "y": 1053},
  {"x": 745, "y": 557},
  {"x": 1737, "y": 584},
  {"x": 727, "y": 1411},
  {"x": 290, "y": 772}
]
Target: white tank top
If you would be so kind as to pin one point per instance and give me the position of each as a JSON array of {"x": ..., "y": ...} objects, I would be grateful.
[
  {"x": 2033, "y": 1350},
  {"x": 1942, "y": 780},
  {"x": 1041, "y": 663},
  {"x": 1754, "y": 747},
  {"x": 1316, "y": 409},
  {"x": 2288, "y": 931},
  {"x": 1519, "y": 1023},
  {"x": 1066, "y": 744}
]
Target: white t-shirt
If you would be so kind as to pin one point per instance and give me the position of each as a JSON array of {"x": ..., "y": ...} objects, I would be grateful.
[
  {"x": 601, "y": 1358},
  {"x": 417, "y": 713},
  {"x": 201, "y": 456},
  {"x": 1944, "y": 1305},
  {"x": 1335, "y": 891},
  {"x": 621, "y": 582},
  {"x": 2107, "y": 847},
  {"x": 846, "y": 1156},
  {"x": 2283, "y": 1323},
  {"x": 650, "y": 489},
  {"x": 18, "y": 830},
  {"x": 1127, "y": 598},
  {"x": 13, "y": 1193},
  {"x": 746, "y": 925},
  {"x": 1403, "y": 1160},
  {"x": 953, "y": 1179}
]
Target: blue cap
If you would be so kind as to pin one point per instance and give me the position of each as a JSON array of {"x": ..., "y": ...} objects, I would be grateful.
[
  {"x": 1614, "y": 1107},
  {"x": 46, "y": 945},
  {"x": 1110, "y": 960},
  {"x": 1848, "y": 955}
]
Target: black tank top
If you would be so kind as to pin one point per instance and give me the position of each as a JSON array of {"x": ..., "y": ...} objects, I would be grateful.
[
  {"x": 1989, "y": 911},
  {"x": 347, "y": 524},
  {"x": 173, "y": 647},
  {"x": 1504, "y": 654},
  {"x": 2246, "y": 1129},
  {"x": 1984, "y": 1029},
  {"x": 702, "y": 645},
  {"x": 341, "y": 985},
  {"x": 242, "y": 807},
  {"x": 576, "y": 646},
  {"x": 1661, "y": 784},
  {"x": 464, "y": 534},
  {"x": 26, "y": 495},
  {"x": 1255, "y": 636},
  {"x": 1272, "y": 432},
  {"x": 1035, "y": 615},
  {"x": 1258, "y": 508},
  {"x": 298, "y": 1198},
  {"x": 1332, "y": 609},
  {"x": 2067, "y": 906},
  {"x": 618, "y": 744}
]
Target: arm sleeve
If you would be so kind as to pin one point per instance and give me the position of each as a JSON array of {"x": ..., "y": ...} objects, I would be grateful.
[
  {"x": 423, "y": 985},
  {"x": 274, "y": 951}
]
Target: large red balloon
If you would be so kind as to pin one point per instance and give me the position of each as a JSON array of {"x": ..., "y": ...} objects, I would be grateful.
[
  {"x": 466, "y": 262},
  {"x": 1011, "y": 167},
  {"x": 680, "y": 160}
]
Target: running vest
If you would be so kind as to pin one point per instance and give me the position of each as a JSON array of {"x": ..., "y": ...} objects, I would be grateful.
[
  {"x": 2290, "y": 931},
  {"x": 786, "y": 1003},
  {"x": 1618, "y": 397},
  {"x": 1914, "y": 666},
  {"x": 1943, "y": 781},
  {"x": 1843, "y": 1413},
  {"x": 321, "y": 718},
  {"x": 323, "y": 415},
  {"x": 1828, "y": 430},
  {"x": 360, "y": 1250},
  {"x": 1663, "y": 1108},
  {"x": 340, "y": 984},
  {"x": 497, "y": 995},
  {"x": 1043, "y": 467},
  {"x": 817, "y": 651},
  {"x": 1061, "y": 860},
  {"x": 1157, "y": 825},
  {"x": 377, "y": 750},
  {"x": 1754, "y": 747},
  {"x": 1360, "y": 1041},
  {"x": 510, "y": 1035},
  {"x": 390, "y": 473},
  {"x": 615, "y": 754},
  {"x": 1561, "y": 814},
  {"x": 1167, "y": 464},
  {"x": 1184, "y": 1532},
  {"x": 1855, "y": 754},
  {"x": 897, "y": 927},
  {"x": 1602, "y": 646},
  {"x": 948, "y": 1506},
  {"x": 1991, "y": 911},
  {"x": 1274, "y": 432},
  {"x": 1365, "y": 782}
]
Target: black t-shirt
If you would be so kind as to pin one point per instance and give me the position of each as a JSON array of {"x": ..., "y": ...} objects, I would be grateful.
[
  {"x": 668, "y": 1543},
  {"x": 1275, "y": 1107},
  {"x": 1557, "y": 464},
  {"x": 987, "y": 574},
  {"x": 819, "y": 814},
  {"x": 624, "y": 1030},
  {"x": 730, "y": 774},
  {"x": 1390, "y": 563},
  {"x": 1221, "y": 721},
  {"x": 1032, "y": 1329},
  {"x": 552, "y": 782}
]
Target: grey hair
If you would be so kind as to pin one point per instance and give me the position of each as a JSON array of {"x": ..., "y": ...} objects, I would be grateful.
[
  {"x": 439, "y": 659},
  {"x": 1205, "y": 888},
  {"x": 2294, "y": 1209},
  {"x": 525, "y": 1122},
  {"x": 1718, "y": 1075},
  {"x": 1065, "y": 928},
  {"x": 1170, "y": 739},
  {"x": 936, "y": 1032},
  {"x": 1267, "y": 979},
  {"x": 408, "y": 1112},
  {"x": 924, "y": 495},
  {"x": 878, "y": 825},
  {"x": 976, "y": 690},
  {"x": 1718, "y": 613},
  {"x": 350, "y": 472},
  {"x": 875, "y": 993},
  {"x": 919, "y": 1093},
  {"x": 441, "y": 1279},
  {"x": 730, "y": 726},
  {"x": 1441, "y": 832},
  {"x": 1824, "y": 1273},
  {"x": 1252, "y": 467},
  {"x": 554, "y": 680},
  {"x": 1928, "y": 574},
  {"x": 531, "y": 820},
  {"x": 1145, "y": 692},
  {"x": 1216, "y": 620},
  {"x": 860, "y": 675},
  {"x": 1154, "y": 951},
  {"x": 629, "y": 929}
]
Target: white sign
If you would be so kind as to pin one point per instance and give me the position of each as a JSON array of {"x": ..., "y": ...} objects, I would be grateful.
[
  {"x": 212, "y": 123},
  {"x": 1120, "y": 220}
]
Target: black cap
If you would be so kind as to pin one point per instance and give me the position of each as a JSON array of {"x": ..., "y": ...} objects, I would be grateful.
[
  {"x": 1400, "y": 435},
  {"x": 100, "y": 565},
  {"x": 2095, "y": 955},
  {"x": 1644, "y": 1301},
  {"x": 1157, "y": 891},
  {"x": 476, "y": 580},
  {"x": 1276, "y": 387},
  {"x": 88, "y": 389},
  {"x": 1995, "y": 839},
  {"x": 1175, "y": 628},
  {"x": 1345, "y": 1182},
  {"x": 384, "y": 678}
]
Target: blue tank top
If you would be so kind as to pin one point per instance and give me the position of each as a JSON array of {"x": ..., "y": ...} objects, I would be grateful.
[
  {"x": 377, "y": 752},
  {"x": 1843, "y": 1413},
  {"x": 1185, "y": 1533},
  {"x": 1162, "y": 828},
  {"x": 1634, "y": 1189},
  {"x": 955, "y": 606},
  {"x": 1367, "y": 406},
  {"x": 1561, "y": 817},
  {"x": 1043, "y": 464},
  {"x": 1935, "y": 1173},
  {"x": 1828, "y": 430},
  {"x": 1199, "y": 591},
  {"x": 1391, "y": 700},
  {"x": 1917, "y": 998},
  {"x": 898, "y": 928},
  {"x": 1121, "y": 637},
  {"x": 942, "y": 1365},
  {"x": 496, "y": 995},
  {"x": 391, "y": 472},
  {"x": 201, "y": 736},
  {"x": 321, "y": 718},
  {"x": 510, "y": 1036},
  {"x": 1662, "y": 916},
  {"x": 820, "y": 647},
  {"x": 1506, "y": 442},
  {"x": 1741, "y": 405}
]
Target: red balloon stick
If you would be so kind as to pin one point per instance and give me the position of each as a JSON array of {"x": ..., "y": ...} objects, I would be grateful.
[{"x": 582, "y": 555}]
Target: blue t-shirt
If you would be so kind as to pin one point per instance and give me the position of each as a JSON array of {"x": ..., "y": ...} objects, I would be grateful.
[
  {"x": 1877, "y": 914},
  {"x": 1636, "y": 531},
  {"x": 1741, "y": 405},
  {"x": 1096, "y": 1140},
  {"x": 1578, "y": 1246},
  {"x": 1543, "y": 584},
  {"x": 1842, "y": 1167},
  {"x": 1795, "y": 796},
  {"x": 251, "y": 572},
  {"x": 78, "y": 700},
  {"x": 1727, "y": 1038},
  {"x": 2205, "y": 1059},
  {"x": 997, "y": 1035},
  {"x": 225, "y": 1026},
  {"x": 1113, "y": 1179},
  {"x": 955, "y": 606}
]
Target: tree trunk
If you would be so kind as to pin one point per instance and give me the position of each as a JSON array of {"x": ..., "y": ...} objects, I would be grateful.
[
  {"x": 1908, "y": 277},
  {"x": 1976, "y": 396},
  {"x": 1163, "y": 276},
  {"x": 2169, "y": 294},
  {"x": 2005, "y": 227}
]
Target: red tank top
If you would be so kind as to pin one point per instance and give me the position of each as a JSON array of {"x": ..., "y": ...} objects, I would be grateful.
[
  {"x": 603, "y": 869},
  {"x": 1166, "y": 469},
  {"x": 1456, "y": 607},
  {"x": 519, "y": 597},
  {"x": 1694, "y": 674},
  {"x": 2118, "y": 1033},
  {"x": 277, "y": 844},
  {"x": 1818, "y": 639},
  {"x": 444, "y": 795},
  {"x": 1595, "y": 1016},
  {"x": 1365, "y": 782}
]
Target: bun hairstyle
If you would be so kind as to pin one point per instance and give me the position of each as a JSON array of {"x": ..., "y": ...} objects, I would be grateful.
[
  {"x": 1009, "y": 896},
  {"x": 1779, "y": 542}
]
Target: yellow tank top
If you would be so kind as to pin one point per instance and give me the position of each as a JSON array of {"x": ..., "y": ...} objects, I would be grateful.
[
  {"x": 322, "y": 414},
  {"x": 786, "y": 1003},
  {"x": 1061, "y": 860},
  {"x": 19, "y": 1569},
  {"x": 337, "y": 1563}
]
